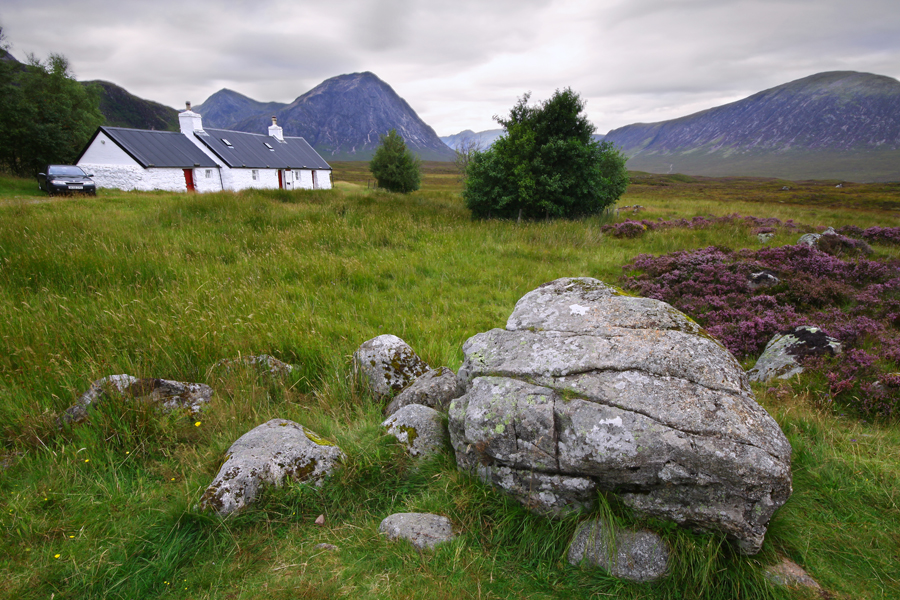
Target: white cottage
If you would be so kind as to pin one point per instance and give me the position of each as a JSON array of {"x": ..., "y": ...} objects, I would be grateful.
[{"x": 202, "y": 160}]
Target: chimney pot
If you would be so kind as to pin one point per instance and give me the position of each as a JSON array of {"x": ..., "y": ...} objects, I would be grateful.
[{"x": 188, "y": 104}]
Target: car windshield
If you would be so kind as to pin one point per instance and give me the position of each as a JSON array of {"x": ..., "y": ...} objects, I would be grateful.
[{"x": 65, "y": 171}]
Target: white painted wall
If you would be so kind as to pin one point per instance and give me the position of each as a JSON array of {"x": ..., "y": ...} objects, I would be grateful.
[
  {"x": 104, "y": 151},
  {"x": 323, "y": 179},
  {"x": 202, "y": 183},
  {"x": 135, "y": 177},
  {"x": 242, "y": 179}
]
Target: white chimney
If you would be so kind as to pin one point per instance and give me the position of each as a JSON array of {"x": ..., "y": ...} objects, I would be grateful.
[
  {"x": 275, "y": 131},
  {"x": 189, "y": 121}
]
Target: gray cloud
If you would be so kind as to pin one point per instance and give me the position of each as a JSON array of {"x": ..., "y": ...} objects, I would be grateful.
[{"x": 460, "y": 63}]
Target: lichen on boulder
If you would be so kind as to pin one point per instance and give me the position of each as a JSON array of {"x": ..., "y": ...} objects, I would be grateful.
[
  {"x": 420, "y": 428},
  {"x": 386, "y": 364},
  {"x": 270, "y": 454},
  {"x": 589, "y": 389},
  {"x": 435, "y": 389}
]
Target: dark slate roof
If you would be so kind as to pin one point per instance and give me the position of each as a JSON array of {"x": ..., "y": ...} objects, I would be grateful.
[
  {"x": 249, "y": 150},
  {"x": 157, "y": 148}
]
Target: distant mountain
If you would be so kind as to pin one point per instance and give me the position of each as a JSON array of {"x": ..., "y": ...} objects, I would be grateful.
[
  {"x": 486, "y": 138},
  {"x": 122, "y": 109},
  {"x": 343, "y": 118},
  {"x": 226, "y": 108},
  {"x": 835, "y": 125}
]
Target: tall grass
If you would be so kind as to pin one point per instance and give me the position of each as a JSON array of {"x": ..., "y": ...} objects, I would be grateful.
[{"x": 166, "y": 285}]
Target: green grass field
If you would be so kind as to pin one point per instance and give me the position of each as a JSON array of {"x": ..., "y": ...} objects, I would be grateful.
[{"x": 165, "y": 285}]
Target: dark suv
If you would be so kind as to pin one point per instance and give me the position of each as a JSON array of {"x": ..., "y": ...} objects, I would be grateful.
[{"x": 66, "y": 179}]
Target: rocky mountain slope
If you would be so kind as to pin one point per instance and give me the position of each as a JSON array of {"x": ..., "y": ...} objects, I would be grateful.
[
  {"x": 835, "y": 125},
  {"x": 123, "y": 109},
  {"x": 226, "y": 108},
  {"x": 342, "y": 118}
]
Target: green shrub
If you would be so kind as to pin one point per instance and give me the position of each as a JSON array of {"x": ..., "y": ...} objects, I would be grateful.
[
  {"x": 547, "y": 165},
  {"x": 394, "y": 166}
]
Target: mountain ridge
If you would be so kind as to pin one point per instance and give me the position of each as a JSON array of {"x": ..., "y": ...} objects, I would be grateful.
[
  {"x": 343, "y": 118},
  {"x": 848, "y": 121}
]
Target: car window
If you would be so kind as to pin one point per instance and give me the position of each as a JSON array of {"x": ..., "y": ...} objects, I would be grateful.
[{"x": 65, "y": 170}]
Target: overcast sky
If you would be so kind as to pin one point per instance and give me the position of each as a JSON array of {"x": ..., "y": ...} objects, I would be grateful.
[{"x": 460, "y": 62}]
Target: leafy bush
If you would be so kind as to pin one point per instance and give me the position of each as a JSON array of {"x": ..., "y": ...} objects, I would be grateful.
[
  {"x": 394, "y": 166},
  {"x": 547, "y": 165}
]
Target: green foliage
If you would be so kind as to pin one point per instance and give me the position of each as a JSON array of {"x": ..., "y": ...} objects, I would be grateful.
[
  {"x": 547, "y": 165},
  {"x": 394, "y": 166},
  {"x": 46, "y": 116}
]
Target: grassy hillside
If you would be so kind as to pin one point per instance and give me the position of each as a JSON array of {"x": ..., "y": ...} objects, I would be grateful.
[{"x": 165, "y": 285}]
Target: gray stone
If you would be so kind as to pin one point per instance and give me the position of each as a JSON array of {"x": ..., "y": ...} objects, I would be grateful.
[
  {"x": 386, "y": 364},
  {"x": 589, "y": 389},
  {"x": 435, "y": 389},
  {"x": 765, "y": 238},
  {"x": 422, "y": 530},
  {"x": 762, "y": 279},
  {"x": 779, "y": 358},
  {"x": 263, "y": 362},
  {"x": 633, "y": 555},
  {"x": 812, "y": 239},
  {"x": 168, "y": 395},
  {"x": 269, "y": 454},
  {"x": 326, "y": 547},
  {"x": 790, "y": 574},
  {"x": 420, "y": 428}
]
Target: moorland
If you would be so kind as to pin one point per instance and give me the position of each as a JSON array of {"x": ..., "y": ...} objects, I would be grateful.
[{"x": 166, "y": 285}]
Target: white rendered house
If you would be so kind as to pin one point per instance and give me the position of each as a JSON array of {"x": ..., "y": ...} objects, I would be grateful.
[{"x": 202, "y": 160}]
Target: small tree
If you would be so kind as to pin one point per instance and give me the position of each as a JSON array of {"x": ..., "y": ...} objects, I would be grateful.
[
  {"x": 465, "y": 151},
  {"x": 396, "y": 168},
  {"x": 547, "y": 165}
]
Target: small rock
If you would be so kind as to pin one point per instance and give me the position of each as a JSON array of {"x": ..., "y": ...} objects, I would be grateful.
[
  {"x": 326, "y": 547},
  {"x": 422, "y": 530},
  {"x": 761, "y": 279},
  {"x": 779, "y": 359},
  {"x": 267, "y": 455},
  {"x": 169, "y": 395},
  {"x": 435, "y": 389},
  {"x": 421, "y": 428},
  {"x": 789, "y": 573},
  {"x": 320, "y": 520},
  {"x": 633, "y": 555},
  {"x": 270, "y": 364},
  {"x": 387, "y": 365},
  {"x": 765, "y": 237}
]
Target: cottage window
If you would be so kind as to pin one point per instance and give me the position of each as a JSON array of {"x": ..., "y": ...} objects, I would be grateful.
[
  {"x": 255, "y": 174},
  {"x": 209, "y": 173},
  {"x": 296, "y": 175}
]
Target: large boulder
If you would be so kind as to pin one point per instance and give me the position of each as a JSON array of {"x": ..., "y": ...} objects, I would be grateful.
[
  {"x": 589, "y": 389},
  {"x": 168, "y": 395},
  {"x": 633, "y": 555},
  {"x": 387, "y": 365},
  {"x": 276, "y": 451},
  {"x": 779, "y": 359},
  {"x": 435, "y": 389},
  {"x": 420, "y": 428}
]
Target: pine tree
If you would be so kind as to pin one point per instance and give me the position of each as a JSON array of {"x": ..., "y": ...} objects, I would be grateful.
[{"x": 394, "y": 166}]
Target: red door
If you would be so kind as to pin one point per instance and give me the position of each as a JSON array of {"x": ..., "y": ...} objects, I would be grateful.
[
  {"x": 189, "y": 179},
  {"x": 280, "y": 180}
]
